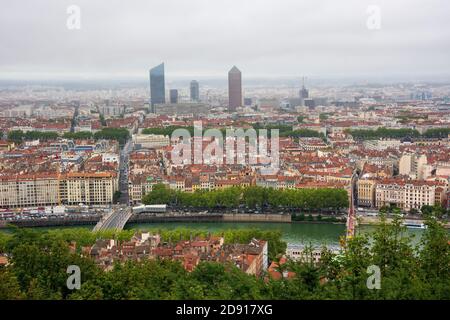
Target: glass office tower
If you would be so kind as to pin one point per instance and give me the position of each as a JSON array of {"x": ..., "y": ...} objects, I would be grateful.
[
  {"x": 157, "y": 87},
  {"x": 195, "y": 92}
]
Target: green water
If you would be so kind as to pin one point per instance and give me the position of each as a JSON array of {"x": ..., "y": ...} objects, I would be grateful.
[
  {"x": 298, "y": 233},
  {"x": 317, "y": 234}
]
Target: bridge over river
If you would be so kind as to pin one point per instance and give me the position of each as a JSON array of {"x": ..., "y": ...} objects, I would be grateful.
[
  {"x": 118, "y": 217},
  {"x": 115, "y": 219}
]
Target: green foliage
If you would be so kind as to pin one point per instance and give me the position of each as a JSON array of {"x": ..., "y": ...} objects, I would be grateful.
[
  {"x": 18, "y": 135},
  {"x": 276, "y": 246},
  {"x": 119, "y": 134},
  {"x": 422, "y": 271},
  {"x": 78, "y": 135},
  {"x": 167, "y": 131},
  {"x": 367, "y": 134},
  {"x": 252, "y": 197},
  {"x": 437, "y": 133},
  {"x": 9, "y": 286}
]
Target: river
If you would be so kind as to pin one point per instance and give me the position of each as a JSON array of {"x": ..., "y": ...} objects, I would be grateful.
[{"x": 295, "y": 233}]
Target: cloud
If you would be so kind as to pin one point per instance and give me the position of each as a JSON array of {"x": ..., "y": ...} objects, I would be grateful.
[{"x": 204, "y": 38}]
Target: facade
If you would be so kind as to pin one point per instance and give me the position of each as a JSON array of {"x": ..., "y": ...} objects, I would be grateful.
[
  {"x": 151, "y": 140},
  {"x": 409, "y": 195},
  {"x": 234, "y": 89},
  {"x": 366, "y": 192},
  {"x": 93, "y": 188},
  {"x": 300, "y": 252},
  {"x": 304, "y": 94},
  {"x": 173, "y": 95},
  {"x": 53, "y": 189},
  {"x": 29, "y": 190},
  {"x": 111, "y": 110},
  {"x": 157, "y": 85},
  {"x": 195, "y": 91}
]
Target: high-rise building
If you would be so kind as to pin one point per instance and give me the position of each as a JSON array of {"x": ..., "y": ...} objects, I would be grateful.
[
  {"x": 234, "y": 89},
  {"x": 173, "y": 96},
  {"x": 304, "y": 94},
  {"x": 157, "y": 86},
  {"x": 195, "y": 91}
]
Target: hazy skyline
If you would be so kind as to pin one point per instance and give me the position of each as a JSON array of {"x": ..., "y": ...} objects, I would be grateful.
[{"x": 203, "y": 39}]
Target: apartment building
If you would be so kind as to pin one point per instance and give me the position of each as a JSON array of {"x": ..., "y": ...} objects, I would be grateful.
[
  {"x": 29, "y": 190},
  {"x": 415, "y": 166},
  {"x": 366, "y": 192},
  {"x": 150, "y": 140},
  {"x": 43, "y": 189},
  {"x": 411, "y": 194},
  {"x": 93, "y": 188}
]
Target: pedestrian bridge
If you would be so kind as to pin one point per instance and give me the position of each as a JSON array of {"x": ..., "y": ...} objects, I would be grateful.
[{"x": 116, "y": 219}]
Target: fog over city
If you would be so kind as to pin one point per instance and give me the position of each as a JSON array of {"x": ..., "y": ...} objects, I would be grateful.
[{"x": 203, "y": 39}]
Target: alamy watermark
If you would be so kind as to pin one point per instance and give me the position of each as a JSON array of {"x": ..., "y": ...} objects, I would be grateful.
[
  {"x": 74, "y": 19},
  {"x": 374, "y": 19},
  {"x": 374, "y": 280},
  {"x": 238, "y": 146},
  {"x": 74, "y": 280}
]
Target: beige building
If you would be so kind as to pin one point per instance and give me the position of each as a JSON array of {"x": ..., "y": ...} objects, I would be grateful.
[
  {"x": 151, "y": 140},
  {"x": 366, "y": 192},
  {"x": 416, "y": 167},
  {"x": 139, "y": 186},
  {"x": 409, "y": 195},
  {"x": 29, "y": 190},
  {"x": 93, "y": 188},
  {"x": 53, "y": 189}
]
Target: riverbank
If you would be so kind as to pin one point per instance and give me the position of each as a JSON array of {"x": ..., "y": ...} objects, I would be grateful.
[
  {"x": 171, "y": 217},
  {"x": 153, "y": 218},
  {"x": 373, "y": 221}
]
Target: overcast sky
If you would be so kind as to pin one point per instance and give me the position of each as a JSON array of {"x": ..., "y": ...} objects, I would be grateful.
[{"x": 205, "y": 38}]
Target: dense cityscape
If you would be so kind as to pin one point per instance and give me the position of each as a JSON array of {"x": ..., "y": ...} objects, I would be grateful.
[
  {"x": 223, "y": 187},
  {"x": 383, "y": 150}
]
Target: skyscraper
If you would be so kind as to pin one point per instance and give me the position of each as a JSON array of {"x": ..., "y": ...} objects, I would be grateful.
[
  {"x": 195, "y": 92},
  {"x": 157, "y": 87},
  {"x": 304, "y": 93},
  {"x": 173, "y": 96},
  {"x": 234, "y": 89}
]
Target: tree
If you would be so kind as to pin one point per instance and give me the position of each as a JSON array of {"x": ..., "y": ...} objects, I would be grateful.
[
  {"x": 16, "y": 136},
  {"x": 160, "y": 194},
  {"x": 254, "y": 196},
  {"x": 78, "y": 135},
  {"x": 9, "y": 286},
  {"x": 426, "y": 210},
  {"x": 119, "y": 134},
  {"x": 89, "y": 291}
]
